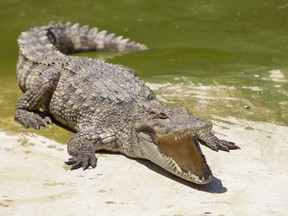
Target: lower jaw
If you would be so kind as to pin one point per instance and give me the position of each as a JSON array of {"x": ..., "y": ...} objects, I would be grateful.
[
  {"x": 195, "y": 179},
  {"x": 172, "y": 167}
]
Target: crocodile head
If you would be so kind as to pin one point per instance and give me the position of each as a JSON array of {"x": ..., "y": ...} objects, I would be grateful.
[{"x": 167, "y": 137}]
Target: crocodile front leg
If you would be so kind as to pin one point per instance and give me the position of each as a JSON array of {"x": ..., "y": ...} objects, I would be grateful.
[
  {"x": 83, "y": 145},
  {"x": 214, "y": 143},
  {"x": 27, "y": 108}
]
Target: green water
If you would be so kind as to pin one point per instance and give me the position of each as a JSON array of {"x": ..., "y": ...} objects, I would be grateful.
[{"x": 217, "y": 57}]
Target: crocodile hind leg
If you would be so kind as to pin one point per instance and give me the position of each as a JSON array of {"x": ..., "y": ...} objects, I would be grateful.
[
  {"x": 214, "y": 143},
  {"x": 83, "y": 145},
  {"x": 27, "y": 108}
]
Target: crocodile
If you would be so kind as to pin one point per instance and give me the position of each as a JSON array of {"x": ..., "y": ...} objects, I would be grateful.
[{"x": 107, "y": 105}]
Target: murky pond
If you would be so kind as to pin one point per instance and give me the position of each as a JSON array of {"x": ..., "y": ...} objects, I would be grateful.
[{"x": 219, "y": 58}]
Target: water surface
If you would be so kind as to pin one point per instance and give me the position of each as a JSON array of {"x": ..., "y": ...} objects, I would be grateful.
[{"x": 219, "y": 58}]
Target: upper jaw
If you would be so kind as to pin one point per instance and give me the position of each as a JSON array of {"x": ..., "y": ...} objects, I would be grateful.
[{"x": 183, "y": 128}]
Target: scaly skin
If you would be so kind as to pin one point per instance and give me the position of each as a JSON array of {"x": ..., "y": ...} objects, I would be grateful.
[{"x": 107, "y": 105}]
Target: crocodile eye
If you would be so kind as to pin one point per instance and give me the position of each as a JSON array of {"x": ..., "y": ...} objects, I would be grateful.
[
  {"x": 162, "y": 115},
  {"x": 157, "y": 115}
]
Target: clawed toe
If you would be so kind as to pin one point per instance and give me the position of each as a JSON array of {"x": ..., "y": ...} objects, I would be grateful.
[
  {"x": 209, "y": 139},
  {"x": 31, "y": 119},
  {"x": 216, "y": 144},
  {"x": 82, "y": 161},
  {"x": 226, "y": 145}
]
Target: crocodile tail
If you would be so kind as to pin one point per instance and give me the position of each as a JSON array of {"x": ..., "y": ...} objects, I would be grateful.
[{"x": 70, "y": 38}]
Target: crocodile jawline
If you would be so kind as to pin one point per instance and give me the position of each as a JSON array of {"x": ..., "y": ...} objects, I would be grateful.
[{"x": 185, "y": 151}]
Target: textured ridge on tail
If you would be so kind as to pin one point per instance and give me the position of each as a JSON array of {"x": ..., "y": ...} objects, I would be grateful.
[
  {"x": 43, "y": 46},
  {"x": 70, "y": 38}
]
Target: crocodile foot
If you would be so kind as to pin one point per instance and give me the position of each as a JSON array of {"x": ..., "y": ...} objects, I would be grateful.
[
  {"x": 83, "y": 159},
  {"x": 222, "y": 145},
  {"x": 209, "y": 139},
  {"x": 32, "y": 119}
]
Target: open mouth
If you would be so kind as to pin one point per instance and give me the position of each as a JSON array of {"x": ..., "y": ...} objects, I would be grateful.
[{"x": 185, "y": 151}]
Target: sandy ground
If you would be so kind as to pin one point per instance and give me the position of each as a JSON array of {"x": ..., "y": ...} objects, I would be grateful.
[{"x": 250, "y": 181}]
